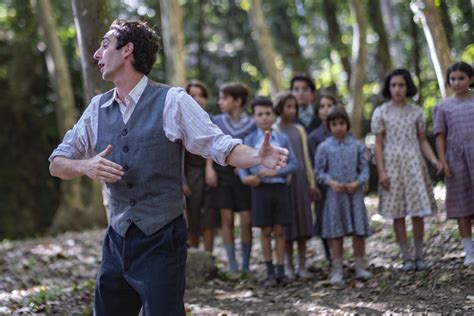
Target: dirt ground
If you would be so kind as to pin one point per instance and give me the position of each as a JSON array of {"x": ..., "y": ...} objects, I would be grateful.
[{"x": 56, "y": 276}]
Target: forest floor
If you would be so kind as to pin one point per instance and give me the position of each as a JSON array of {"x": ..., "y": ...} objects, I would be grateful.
[{"x": 56, "y": 276}]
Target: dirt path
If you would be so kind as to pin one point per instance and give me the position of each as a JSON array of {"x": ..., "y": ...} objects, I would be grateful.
[{"x": 56, "y": 275}]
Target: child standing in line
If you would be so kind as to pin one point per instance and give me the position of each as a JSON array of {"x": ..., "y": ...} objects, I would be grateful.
[
  {"x": 270, "y": 208},
  {"x": 454, "y": 130},
  {"x": 325, "y": 103},
  {"x": 304, "y": 90},
  {"x": 229, "y": 195},
  {"x": 404, "y": 184},
  {"x": 302, "y": 186},
  {"x": 341, "y": 165},
  {"x": 200, "y": 218}
]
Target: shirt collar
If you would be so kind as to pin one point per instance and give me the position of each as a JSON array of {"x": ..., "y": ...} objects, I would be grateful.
[{"x": 133, "y": 96}]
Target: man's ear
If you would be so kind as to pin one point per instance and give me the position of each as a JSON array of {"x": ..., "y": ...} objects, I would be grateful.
[{"x": 128, "y": 49}]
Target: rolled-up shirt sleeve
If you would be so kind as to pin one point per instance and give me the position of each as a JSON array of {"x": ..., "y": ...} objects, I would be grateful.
[
  {"x": 79, "y": 142},
  {"x": 185, "y": 120}
]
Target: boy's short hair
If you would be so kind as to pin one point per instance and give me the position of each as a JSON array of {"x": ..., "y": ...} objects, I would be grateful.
[
  {"x": 235, "y": 90},
  {"x": 200, "y": 85},
  {"x": 305, "y": 78},
  {"x": 338, "y": 112},
  {"x": 411, "y": 88},
  {"x": 280, "y": 100},
  {"x": 261, "y": 101}
]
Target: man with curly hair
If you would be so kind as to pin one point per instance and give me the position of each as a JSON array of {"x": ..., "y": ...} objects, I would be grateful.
[{"x": 131, "y": 138}]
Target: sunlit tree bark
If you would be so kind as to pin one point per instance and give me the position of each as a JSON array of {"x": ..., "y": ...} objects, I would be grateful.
[
  {"x": 359, "y": 57},
  {"x": 264, "y": 44}
]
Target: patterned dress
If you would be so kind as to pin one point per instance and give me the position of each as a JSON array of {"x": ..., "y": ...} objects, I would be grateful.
[
  {"x": 455, "y": 118},
  {"x": 410, "y": 191},
  {"x": 343, "y": 161}
]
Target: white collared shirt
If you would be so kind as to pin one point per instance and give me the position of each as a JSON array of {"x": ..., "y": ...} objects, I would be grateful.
[{"x": 183, "y": 119}]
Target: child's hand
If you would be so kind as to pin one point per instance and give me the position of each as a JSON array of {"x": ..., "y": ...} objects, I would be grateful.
[
  {"x": 211, "y": 177},
  {"x": 336, "y": 186},
  {"x": 267, "y": 173},
  {"x": 252, "y": 180},
  {"x": 446, "y": 169},
  {"x": 438, "y": 166},
  {"x": 186, "y": 190},
  {"x": 315, "y": 193},
  {"x": 384, "y": 181},
  {"x": 352, "y": 186}
]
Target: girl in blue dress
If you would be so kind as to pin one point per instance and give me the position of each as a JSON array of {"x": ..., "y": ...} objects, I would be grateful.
[{"x": 341, "y": 165}]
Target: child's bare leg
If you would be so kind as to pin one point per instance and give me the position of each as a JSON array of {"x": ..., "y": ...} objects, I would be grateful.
[
  {"x": 465, "y": 229},
  {"x": 358, "y": 246},
  {"x": 208, "y": 238},
  {"x": 193, "y": 240},
  {"x": 418, "y": 232},
  {"x": 289, "y": 254},
  {"x": 266, "y": 240},
  {"x": 336, "y": 247},
  {"x": 280, "y": 243}
]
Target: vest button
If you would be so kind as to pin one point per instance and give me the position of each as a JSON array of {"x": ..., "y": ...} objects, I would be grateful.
[
  {"x": 132, "y": 203},
  {"x": 129, "y": 185},
  {"x": 125, "y": 149},
  {"x": 129, "y": 220},
  {"x": 125, "y": 167},
  {"x": 124, "y": 132}
]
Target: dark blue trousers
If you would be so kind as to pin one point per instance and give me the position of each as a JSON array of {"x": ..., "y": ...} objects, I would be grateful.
[{"x": 141, "y": 270}]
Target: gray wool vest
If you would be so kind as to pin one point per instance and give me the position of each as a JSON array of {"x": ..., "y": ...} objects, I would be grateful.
[{"x": 149, "y": 193}]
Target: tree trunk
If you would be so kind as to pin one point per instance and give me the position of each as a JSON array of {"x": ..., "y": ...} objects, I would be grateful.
[
  {"x": 383, "y": 49},
  {"x": 264, "y": 44},
  {"x": 393, "y": 23},
  {"x": 282, "y": 28},
  {"x": 359, "y": 56},
  {"x": 335, "y": 36},
  {"x": 72, "y": 213},
  {"x": 426, "y": 13},
  {"x": 92, "y": 18},
  {"x": 416, "y": 60},
  {"x": 173, "y": 41}
]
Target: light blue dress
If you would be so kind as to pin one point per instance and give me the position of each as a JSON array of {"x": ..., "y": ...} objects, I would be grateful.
[{"x": 343, "y": 161}]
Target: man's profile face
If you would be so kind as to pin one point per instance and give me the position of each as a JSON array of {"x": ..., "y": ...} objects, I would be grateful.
[{"x": 109, "y": 59}]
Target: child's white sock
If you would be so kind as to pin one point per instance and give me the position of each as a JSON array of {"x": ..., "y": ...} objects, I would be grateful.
[
  {"x": 418, "y": 251},
  {"x": 404, "y": 251},
  {"x": 467, "y": 243}
]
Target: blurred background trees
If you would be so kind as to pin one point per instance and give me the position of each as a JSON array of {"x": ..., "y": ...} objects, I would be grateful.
[{"x": 346, "y": 46}]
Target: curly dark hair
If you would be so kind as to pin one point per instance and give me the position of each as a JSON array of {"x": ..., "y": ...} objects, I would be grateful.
[{"x": 145, "y": 40}]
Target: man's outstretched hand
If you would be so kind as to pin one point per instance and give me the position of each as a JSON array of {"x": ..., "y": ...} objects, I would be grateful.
[{"x": 272, "y": 157}]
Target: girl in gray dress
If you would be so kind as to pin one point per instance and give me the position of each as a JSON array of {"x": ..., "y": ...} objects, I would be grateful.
[
  {"x": 454, "y": 130},
  {"x": 342, "y": 166}
]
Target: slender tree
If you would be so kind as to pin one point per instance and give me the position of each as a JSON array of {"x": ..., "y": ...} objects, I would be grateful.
[
  {"x": 264, "y": 44},
  {"x": 335, "y": 35},
  {"x": 427, "y": 14},
  {"x": 173, "y": 41},
  {"x": 91, "y": 18},
  {"x": 383, "y": 49},
  {"x": 72, "y": 213},
  {"x": 359, "y": 59}
]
